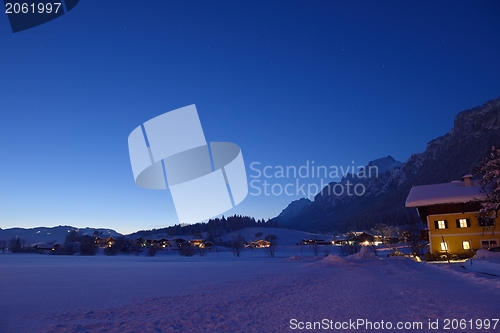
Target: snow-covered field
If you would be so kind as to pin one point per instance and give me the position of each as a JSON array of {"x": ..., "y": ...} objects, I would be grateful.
[{"x": 253, "y": 293}]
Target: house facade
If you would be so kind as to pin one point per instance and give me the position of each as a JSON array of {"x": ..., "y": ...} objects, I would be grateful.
[
  {"x": 450, "y": 212},
  {"x": 104, "y": 240}
]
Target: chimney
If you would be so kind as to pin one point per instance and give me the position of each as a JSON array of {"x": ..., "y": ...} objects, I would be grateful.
[{"x": 467, "y": 179}]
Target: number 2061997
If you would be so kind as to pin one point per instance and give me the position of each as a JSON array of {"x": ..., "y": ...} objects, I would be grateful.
[
  {"x": 32, "y": 8},
  {"x": 472, "y": 324}
]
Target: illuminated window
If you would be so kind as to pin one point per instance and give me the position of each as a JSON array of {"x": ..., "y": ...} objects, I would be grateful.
[
  {"x": 463, "y": 223},
  {"x": 444, "y": 246},
  {"x": 441, "y": 224},
  {"x": 466, "y": 245}
]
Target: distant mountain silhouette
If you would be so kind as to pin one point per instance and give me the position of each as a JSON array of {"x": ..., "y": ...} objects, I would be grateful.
[
  {"x": 446, "y": 158},
  {"x": 50, "y": 235}
]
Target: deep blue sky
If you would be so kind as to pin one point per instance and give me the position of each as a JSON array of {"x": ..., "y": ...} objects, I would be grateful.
[{"x": 289, "y": 82}]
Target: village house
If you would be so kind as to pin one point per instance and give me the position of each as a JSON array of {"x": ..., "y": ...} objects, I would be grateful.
[
  {"x": 196, "y": 242},
  {"x": 259, "y": 244},
  {"x": 206, "y": 245},
  {"x": 139, "y": 241},
  {"x": 201, "y": 243},
  {"x": 362, "y": 237},
  {"x": 47, "y": 248},
  {"x": 365, "y": 238},
  {"x": 103, "y": 240},
  {"x": 450, "y": 212},
  {"x": 172, "y": 244},
  {"x": 315, "y": 241},
  {"x": 164, "y": 243},
  {"x": 161, "y": 243}
]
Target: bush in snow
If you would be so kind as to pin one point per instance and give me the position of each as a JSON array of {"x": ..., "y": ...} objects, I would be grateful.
[
  {"x": 413, "y": 238},
  {"x": 352, "y": 245},
  {"x": 15, "y": 245},
  {"x": 388, "y": 234},
  {"x": 136, "y": 250},
  {"x": 186, "y": 249},
  {"x": 237, "y": 244},
  {"x": 202, "y": 250},
  {"x": 152, "y": 251},
  {"x": 271, "y": 250},
  {"x": 111, "y": 250},
  {"x": 315, "y": 247},
  {"x": 87, "y": 246},
  {"x": 18, "y": 245}
]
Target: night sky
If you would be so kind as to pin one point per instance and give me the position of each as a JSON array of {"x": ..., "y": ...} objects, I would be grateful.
[{"x": 326, "y": 81}]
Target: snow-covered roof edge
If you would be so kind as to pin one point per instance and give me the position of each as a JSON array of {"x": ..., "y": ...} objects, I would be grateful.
[{"x": 446, "y": 193}]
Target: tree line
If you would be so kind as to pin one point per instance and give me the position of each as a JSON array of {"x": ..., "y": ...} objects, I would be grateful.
[{"x": 214, "y": 228}]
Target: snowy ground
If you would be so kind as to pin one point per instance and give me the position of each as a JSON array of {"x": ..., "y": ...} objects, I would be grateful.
[{"x": 253, "y": 293}]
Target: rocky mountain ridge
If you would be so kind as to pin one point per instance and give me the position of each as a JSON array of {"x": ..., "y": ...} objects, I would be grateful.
[{"x": 446, "y": 158}]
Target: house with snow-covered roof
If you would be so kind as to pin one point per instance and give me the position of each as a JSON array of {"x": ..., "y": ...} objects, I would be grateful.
[
  {"x": 450, "y": 212},
  {"x": 259, "y": 244},
  {"x": 47, "y": 248},
  {"x": 103, "y": 240}
]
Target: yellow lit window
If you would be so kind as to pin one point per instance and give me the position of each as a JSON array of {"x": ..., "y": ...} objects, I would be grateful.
[
  {"x": 444, "y": 246},
  {"x": 463, "y": 223},
  {"x": 441, "y": 225},
  {"x": 466, "y": 245}
]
